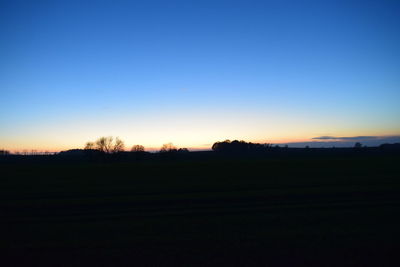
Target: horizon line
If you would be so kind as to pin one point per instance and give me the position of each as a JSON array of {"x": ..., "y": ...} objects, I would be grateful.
[{"x": 329, "y": 141}]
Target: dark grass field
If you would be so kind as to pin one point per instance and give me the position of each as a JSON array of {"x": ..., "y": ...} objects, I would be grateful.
[{"x": 328, "y": 211}]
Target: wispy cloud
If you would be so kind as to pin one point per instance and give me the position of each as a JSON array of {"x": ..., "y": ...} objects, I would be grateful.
[{"x": 347, "y": 138}]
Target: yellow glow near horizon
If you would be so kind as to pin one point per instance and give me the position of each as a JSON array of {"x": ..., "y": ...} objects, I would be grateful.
[
  {"x": 193, "y": 131},
  {"x": 152, "y": 143}
]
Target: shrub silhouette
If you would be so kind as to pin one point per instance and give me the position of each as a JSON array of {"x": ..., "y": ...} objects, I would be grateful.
[{"x": 137, "y": 148}]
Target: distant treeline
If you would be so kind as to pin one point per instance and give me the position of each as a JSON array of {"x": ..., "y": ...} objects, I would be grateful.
[
  {"x": 236, "y": 146},
  {"x": 114, "y": 148}
]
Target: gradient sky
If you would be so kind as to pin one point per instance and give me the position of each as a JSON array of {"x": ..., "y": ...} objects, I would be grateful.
[{"x": 196, "y": 72}]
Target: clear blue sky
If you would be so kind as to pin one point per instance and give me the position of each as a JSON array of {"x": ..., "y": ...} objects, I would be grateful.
[{"x": 196, "y": 72}]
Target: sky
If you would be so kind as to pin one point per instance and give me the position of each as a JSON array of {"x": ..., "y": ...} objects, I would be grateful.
[{"x": 196, "y": 72}]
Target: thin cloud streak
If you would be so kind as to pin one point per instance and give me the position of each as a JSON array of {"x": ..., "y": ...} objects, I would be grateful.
[{"x": 351, "y": 138}]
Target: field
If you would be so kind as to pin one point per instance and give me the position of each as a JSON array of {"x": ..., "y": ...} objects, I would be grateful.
[{"x": 326, "y": 211}]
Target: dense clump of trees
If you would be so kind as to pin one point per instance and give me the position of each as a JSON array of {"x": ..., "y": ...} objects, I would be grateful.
[
  {"x": 393, "y": 147},
  {"x": 236, "y": 146}
]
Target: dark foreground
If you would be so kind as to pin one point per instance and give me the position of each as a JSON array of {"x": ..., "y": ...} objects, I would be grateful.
[{"x": 329, "y": 211}]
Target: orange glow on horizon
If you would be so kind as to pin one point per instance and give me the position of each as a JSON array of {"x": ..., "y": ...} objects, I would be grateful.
[
  {"x": 29, "y": 149},
  {"x": 54, "y": 148}
]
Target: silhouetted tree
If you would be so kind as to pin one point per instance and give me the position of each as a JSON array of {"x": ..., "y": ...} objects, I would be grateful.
[
  {"x": 168, "y": 148},
  {"x": 137, "y": 148},
  {"x": 106, "y": 145},
  {"x": 89, "y": 146},
  {"x": 221, "y": 146},
  {"x": 357, "y": 145},
  {"x": 118, "y": 145}
]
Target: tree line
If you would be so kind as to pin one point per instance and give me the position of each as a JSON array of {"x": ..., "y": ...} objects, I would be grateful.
[
  {"x": 241, "y": 146},
  {"x": 111, "y": 145}
]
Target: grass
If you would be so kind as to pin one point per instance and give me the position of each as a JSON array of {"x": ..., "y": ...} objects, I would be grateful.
[{"x": 283, "y": 212}]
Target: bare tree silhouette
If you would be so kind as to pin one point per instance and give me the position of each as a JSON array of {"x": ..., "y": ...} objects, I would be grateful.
[
  {"x": 168, "y": 148},
  {"x": 89, "y": 145},
  {"x": 107, "y": 145},
  {"x": 104, "y": 144},
  {"x": 118, "y": 145}
]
